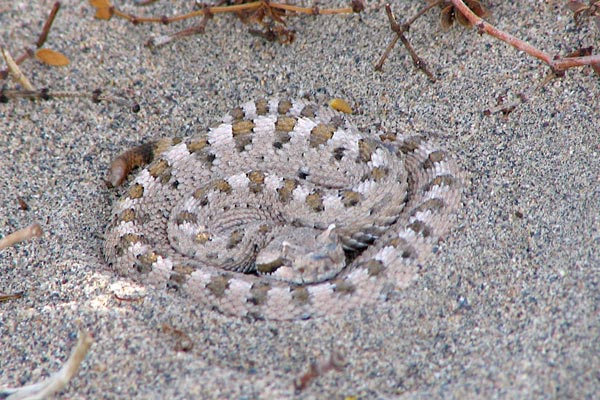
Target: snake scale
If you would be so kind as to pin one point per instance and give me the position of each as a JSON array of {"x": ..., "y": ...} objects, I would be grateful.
[{"x": 283, "y": 210}]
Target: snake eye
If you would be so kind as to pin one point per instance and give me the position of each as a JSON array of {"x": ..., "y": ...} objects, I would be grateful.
[{"x": 269, "y": 268}]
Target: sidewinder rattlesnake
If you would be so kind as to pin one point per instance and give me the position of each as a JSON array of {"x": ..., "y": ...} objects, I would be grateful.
[{"x": 284, "y": 210}]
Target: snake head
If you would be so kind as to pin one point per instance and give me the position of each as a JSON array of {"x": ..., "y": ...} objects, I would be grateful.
[{"x": 302, "y": 255}]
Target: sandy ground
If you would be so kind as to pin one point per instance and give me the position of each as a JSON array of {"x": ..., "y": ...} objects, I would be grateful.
[{"x": 507, "y": 308}]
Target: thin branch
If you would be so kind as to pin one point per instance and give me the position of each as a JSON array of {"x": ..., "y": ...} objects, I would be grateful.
[
  {"x": 57, "y": 381},
  {"x": 14, "y": 70},
  {"x": 162, "y": 40},
  {"x": 230, "y": 9},
  {"x": 44, "y": 35},
  {"x": 399, "y": 31},
  {"x": 271, "y": 15},
  {"x": 558, "y": 65},
  {"x": 13, "y": 296},
  {"x": 33, "y": 230},
  {"x": 95, "y": 96},
  {"x": 30, "y": 53},
  {"x": 521, "y": 98}
]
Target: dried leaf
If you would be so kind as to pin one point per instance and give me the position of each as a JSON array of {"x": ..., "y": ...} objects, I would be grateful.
[
  {"x": 51, "y": 57},
  {"x": 103, "y": 13},
  {"x": 462, "y": 20},
  {"x": 579, "y": 10},
  {"x": 450, "y": 13},
  {"x": 581, "y": 52},
  {"x": 576, "y": 6},
  {"x": 104, "y": 10},
  {"x": 22, "y": 204},
  {"x": 358, "y": 5},
  {"x": 447, "y": 17},
  {"x": 100, "y": 3},
  {"x": 477, "y": 8}
]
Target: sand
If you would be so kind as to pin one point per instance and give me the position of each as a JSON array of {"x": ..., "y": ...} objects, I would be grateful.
[{"x": 508, "y": 307}]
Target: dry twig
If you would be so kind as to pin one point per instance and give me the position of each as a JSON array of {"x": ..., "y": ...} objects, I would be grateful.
[
  {"x": 470, "y": 15},
  {"x": 15, "y": 71},
  {"x": 33, "y": 230},
  {"x": 581, "y": 10},
  {"x": 46, "y": 56},
  {"x": 52, "y": 58},
  {"x": 12, "y": 296},
  {"x": 399, "y": 31},
  {"x": 58, "y": 380},
  {"x": 557, "y": 64},
  {"x": 95, "y": 96},
  {"x": 270, "y": 15}
]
